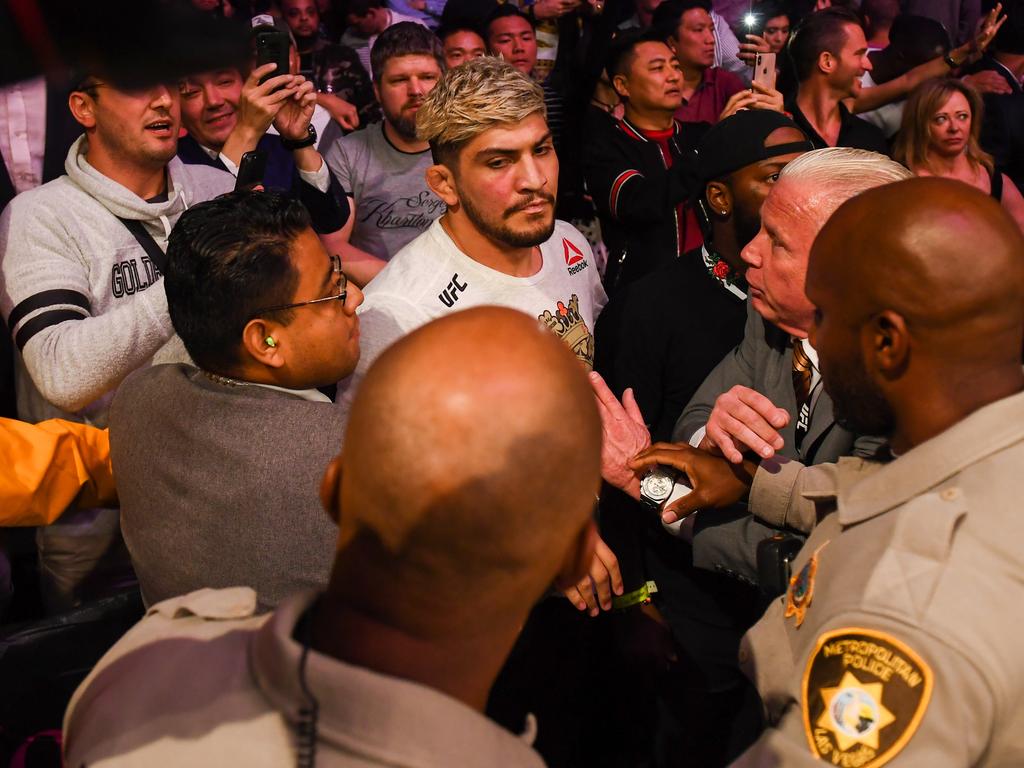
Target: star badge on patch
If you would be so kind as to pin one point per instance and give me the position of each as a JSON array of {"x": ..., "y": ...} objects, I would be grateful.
[{"x": 864, "y": 694}]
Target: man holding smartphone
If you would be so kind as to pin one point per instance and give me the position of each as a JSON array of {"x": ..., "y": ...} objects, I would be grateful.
[{"x": 228, "y": 116}]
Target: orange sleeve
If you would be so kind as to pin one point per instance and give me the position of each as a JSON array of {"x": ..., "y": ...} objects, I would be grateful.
[{"x": 48, "y": 466}]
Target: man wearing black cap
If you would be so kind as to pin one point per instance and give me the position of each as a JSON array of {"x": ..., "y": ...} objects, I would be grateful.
[{"x": 661, "y": 335}]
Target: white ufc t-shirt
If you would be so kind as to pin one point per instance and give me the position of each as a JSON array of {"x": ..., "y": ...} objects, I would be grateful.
[{"x": 431, "y": 277}]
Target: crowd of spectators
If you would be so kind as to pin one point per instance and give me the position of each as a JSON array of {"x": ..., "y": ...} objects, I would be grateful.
[{"x": 567, "y": 382}]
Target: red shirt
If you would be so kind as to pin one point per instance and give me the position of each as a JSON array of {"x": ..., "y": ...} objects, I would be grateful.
[{"x": 708, "y": 101}]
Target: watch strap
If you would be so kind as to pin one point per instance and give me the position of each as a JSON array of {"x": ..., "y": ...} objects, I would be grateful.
[{"x": 308, "y": 141}]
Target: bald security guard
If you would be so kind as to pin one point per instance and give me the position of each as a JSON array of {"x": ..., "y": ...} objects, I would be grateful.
[
  {"x": 442, "y": 554},
  {"x": 897, "y": 642}
]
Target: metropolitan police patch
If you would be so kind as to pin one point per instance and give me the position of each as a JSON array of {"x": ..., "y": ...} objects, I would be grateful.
[{"x": 864, "y": 694}]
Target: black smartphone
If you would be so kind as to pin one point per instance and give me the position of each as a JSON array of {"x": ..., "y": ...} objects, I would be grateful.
[
  {"x": 251, "y": 170},
  {"x": 272, "y": 46}
]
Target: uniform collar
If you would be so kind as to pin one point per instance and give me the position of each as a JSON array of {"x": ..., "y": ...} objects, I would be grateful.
[
  {"x": 386, "y": 720},
  {"x": 985, "y": 432}
]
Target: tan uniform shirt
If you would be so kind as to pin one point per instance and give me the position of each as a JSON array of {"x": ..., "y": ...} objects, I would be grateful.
[
  {"x": 898, "y": 641},
  {"x": 201, "y": 681}
]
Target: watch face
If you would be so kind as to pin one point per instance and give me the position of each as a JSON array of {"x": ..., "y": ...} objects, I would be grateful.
[{"x": 657, "y": 486}]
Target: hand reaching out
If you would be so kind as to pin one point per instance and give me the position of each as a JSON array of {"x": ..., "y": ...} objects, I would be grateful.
[{"x": 623, "y": 435}]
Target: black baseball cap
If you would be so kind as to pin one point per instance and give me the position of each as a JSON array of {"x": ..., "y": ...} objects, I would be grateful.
[{"x": 738, "y": 141}]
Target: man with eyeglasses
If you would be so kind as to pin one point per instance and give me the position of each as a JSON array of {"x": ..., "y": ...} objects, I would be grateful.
[
  {"x": 218, "y": 465},
  {"x": 81, "y": 291}
]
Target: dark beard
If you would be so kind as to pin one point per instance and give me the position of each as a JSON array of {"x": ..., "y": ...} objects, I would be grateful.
[
  {"x": 503, "y": 234},
  {"x": 404, "y": 127},
  {"x": 306, "y": 44},
  {"x": 747, "y": 226},
  {"x": 857, "y": 405}
]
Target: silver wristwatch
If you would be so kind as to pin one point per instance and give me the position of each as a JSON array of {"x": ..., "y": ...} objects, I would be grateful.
[{"x": 656, "y": 486}]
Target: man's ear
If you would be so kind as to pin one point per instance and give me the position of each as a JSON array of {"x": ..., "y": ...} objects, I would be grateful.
[
  {"x": 719, "y": 197},
  {"x": 826, "y": 62},
  {"x": 886, "y": 339},
  {"x": 330, "y": 489},
  {"x": 621, "y": 86},
  {"x": 261, "y": 342},
  {"x": 82, "y": 108},
  {"x": 578, "y": 557},
  {"x": 441, "y": 181}
]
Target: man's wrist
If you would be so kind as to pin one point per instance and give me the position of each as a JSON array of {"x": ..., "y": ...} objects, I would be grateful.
[
  {"x": 308, "y": 160},
  {"x": 241, "y": 140},
  {"x": 306, "y": 139}
]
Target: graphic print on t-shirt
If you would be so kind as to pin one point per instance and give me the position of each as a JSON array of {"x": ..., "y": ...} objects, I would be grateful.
[
  {"x": 568, "y": 324},
  {"x": 417, "y": 211}
]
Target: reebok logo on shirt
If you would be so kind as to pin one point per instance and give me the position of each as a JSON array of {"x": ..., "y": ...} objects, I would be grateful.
[{"x": 573, "y": 257}]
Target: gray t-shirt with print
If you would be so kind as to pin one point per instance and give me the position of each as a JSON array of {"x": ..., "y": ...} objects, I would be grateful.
[{"x": 393, "y": 203}]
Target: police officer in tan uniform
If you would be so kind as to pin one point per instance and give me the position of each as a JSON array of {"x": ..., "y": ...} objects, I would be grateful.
[
  {"x": 897, "y": 642},
  {"x": 470, "y": 471}
]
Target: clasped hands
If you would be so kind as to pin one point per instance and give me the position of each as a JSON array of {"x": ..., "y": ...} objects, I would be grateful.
[{"x": 718, "y": 471}]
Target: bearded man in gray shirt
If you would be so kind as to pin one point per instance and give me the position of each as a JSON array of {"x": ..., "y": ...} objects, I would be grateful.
[{"x": 382, "y": 167}]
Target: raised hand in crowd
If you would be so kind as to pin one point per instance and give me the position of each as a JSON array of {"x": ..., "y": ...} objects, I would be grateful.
[
  {"x": 968, "y": 53},
  {"x": 987, "y": 29},
  {"x": 293, "y": 114},
  {"x": 258, "y": 107},
  {"x": 744, "y": 419},
  {"x": 758, "y": 97},
  {"x": 623, "y": 435},
  {"x": 755, "y": 44}
]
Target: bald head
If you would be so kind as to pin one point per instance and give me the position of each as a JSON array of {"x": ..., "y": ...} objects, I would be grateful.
[
  {"x": 930, "y": 265},
  {"x": 938, "y": 251},
  {"x": 470, "y": 466}
]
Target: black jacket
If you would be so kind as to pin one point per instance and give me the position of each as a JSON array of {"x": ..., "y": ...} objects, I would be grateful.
[
  {"x": 1002, "y": 130},
  {"x": 636, "y": 195},
  {"x": 662, "y": 335},
  {"x": 328, "y": 210}
]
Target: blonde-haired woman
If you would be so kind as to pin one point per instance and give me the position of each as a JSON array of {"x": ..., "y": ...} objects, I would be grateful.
[{"x": 939, "y": 137}]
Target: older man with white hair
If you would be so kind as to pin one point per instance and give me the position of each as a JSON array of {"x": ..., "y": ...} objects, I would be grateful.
[{"x": 766, "y": 397}]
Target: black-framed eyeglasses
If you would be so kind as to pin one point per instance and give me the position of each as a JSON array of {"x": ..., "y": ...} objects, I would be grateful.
[{"x": 341, "y": 295}]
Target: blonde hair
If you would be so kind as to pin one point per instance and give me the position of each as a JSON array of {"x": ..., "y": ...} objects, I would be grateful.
[
  {"x": 912, "y": 142},
  {"x": 473, "y": 97}
]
